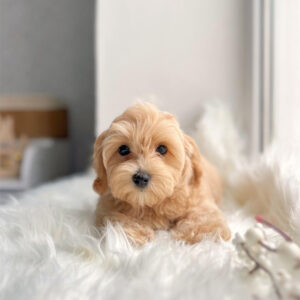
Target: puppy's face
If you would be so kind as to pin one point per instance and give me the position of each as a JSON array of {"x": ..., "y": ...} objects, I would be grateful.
[{"x": 141, "y": 157}]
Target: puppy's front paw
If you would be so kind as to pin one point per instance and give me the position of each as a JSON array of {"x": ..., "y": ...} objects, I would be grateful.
[
  {"x": 138, "y": 233},
  {"x": 192, "y": 232}
]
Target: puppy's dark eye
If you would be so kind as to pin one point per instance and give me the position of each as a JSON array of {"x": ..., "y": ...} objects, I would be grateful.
[
  {"x": 162, "y": 149},
  {"x": 124, "y": 150}
]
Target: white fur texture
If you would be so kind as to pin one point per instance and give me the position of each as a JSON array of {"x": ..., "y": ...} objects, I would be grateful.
[{"x": 49, "y": 248}]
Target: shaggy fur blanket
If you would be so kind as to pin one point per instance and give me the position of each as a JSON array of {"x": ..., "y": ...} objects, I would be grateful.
[{"x": 49, "y": 248}]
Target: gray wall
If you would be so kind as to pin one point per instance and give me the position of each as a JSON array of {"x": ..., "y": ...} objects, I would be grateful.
[{"x": 47, "y": 46}]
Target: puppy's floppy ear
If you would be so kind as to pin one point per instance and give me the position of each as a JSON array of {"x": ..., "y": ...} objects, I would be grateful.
[
  {"x": 192, "y": 152},
  {"x": 100, "y": 183}
]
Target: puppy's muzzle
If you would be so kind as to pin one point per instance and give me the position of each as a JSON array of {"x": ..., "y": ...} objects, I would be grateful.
[{"x": 141, "y": 179}]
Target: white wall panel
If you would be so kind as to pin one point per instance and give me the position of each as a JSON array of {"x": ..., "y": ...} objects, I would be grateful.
[
  {"x": 287, "y": 71},
  {"x": 176, "y": 52}
]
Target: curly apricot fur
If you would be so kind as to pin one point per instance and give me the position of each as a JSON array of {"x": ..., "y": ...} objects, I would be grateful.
[{"x": 184, "y": 191}]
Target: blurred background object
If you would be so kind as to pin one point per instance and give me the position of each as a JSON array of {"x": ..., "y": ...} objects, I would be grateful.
[
  {"x": 11, "y": 148},
  {"x": 34, "y": 144},
  {"x": 47, "y": 47},
  {"x": 36, "y": 115}
]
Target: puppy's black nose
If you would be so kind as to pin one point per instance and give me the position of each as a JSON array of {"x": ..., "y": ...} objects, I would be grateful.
[{"x": 141, "y": 179}]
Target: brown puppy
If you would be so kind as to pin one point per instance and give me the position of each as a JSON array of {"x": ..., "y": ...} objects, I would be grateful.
[{"x": 150, "y": 176}]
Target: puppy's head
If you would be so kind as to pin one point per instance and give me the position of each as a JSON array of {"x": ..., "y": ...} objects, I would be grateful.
[{"x": 143, "y": 156}]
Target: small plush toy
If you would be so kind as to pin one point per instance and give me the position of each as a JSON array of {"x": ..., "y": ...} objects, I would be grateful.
[
  {"x": 11, "y": 149},
  {"x": 280, "y": 261}
]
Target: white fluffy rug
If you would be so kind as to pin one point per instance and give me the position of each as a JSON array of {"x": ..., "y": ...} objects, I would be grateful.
[{"x": 49, "y": 248}]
